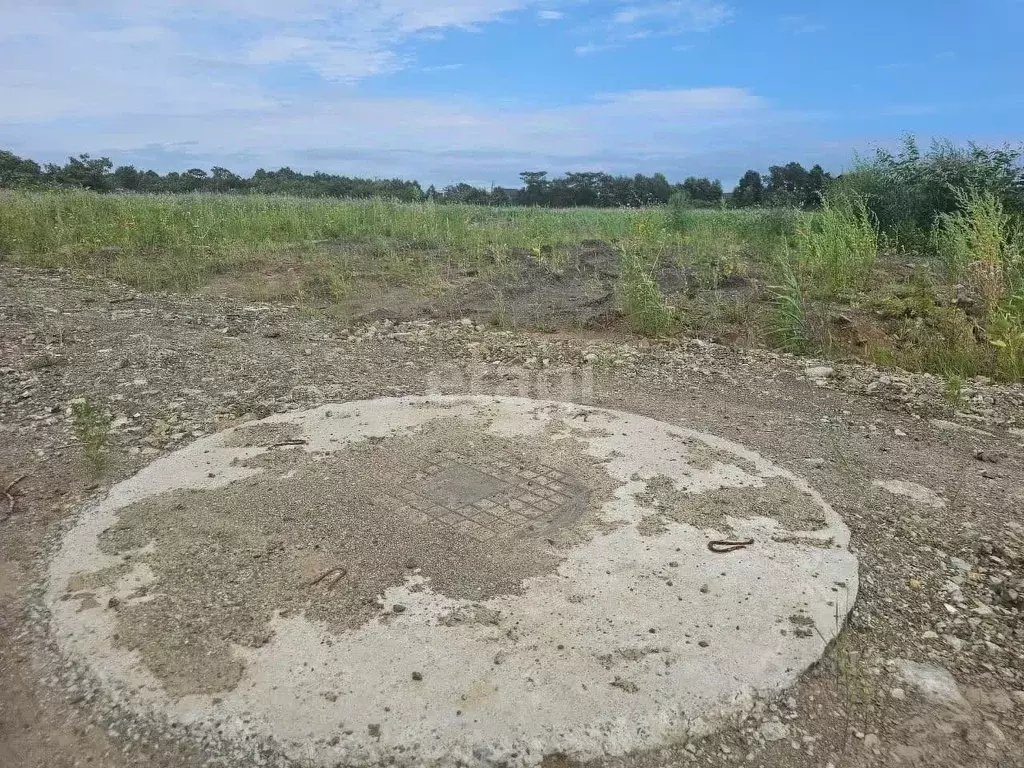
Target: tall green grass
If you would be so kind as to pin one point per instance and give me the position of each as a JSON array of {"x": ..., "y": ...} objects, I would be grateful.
[
  {"x": 180, "y": 242},
  {"x": 980, "y": 246},
  {"x": 647, "y": 311},
  {"x": 837, "y": 249},
  {"x": 790, "y": 325},
  {"x": 70, "y": 222},
  {"x": 983, "y": 248}
]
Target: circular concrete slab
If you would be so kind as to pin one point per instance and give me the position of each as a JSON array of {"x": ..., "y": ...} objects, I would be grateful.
[{"x": 426, "y": 580}]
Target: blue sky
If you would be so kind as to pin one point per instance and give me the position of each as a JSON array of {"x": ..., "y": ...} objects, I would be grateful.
[{"x": 478, "y": 90}]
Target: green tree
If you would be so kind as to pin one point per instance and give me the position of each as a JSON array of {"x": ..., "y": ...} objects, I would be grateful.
[
  {"x": 17, "y": 172},
  {"x": 702, "y": 191},
  {"x": 82, "y": 171},
  {"x": 127, "y": 177},
  {"x": 750, "y": 191},
  {"x": 223, "y": 180},
  {"x": 536, "y": 184},
  {"x": 787, "y": 185}
]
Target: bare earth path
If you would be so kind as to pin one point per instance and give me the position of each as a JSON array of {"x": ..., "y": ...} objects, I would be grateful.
[{"x": 930, "y": 670}]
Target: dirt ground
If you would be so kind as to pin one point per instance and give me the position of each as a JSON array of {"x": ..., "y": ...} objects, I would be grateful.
[{"x": 929, "y": 672}]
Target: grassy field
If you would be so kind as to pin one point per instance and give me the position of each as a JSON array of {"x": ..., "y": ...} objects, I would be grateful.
[{"x": 827, "y": 283}]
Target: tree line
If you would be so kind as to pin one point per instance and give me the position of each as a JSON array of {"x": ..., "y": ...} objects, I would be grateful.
[{"x": 789, "y": 185}]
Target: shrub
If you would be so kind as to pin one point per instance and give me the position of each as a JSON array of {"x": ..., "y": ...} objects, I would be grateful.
[
  {"x": 837, "y": 249},
  {"x": 1006, "y": 334},
  {"x": 679, "y": 207},
  {"x": 975, "y": 244},
  {"x": 907, "y": 190}
]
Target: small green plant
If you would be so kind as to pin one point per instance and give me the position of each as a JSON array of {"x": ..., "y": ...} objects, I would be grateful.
[
  {"x": 1006, "y": 334},
  {"x": 790, "y": 328},
  {"x": 503, "y": 315},
  {"x": 92, "y": 428},
  {"x": 680, "y": 207},
  {"x": 954, "y": 391},
  {"x": 327, "y": 285},
  {"x": 647, "y": 311}
]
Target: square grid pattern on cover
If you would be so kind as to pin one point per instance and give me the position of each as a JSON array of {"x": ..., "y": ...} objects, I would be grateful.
[{"x": 517, "y": 496}]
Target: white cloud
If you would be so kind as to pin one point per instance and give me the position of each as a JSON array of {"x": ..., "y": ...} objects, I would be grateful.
[
  {"x": 658, "y": 18},
  {"x": 342, "y": 40},
  {"x": 550, "y": 15},
  {"x": 678, "y": 15},
  {"x": 442, "y": 68},
  {"x": 184, "y": 83},
  {"x": 361, "y": 38},
  {"x": 588, "y": 49}
]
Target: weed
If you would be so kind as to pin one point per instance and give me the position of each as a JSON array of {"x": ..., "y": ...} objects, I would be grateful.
[
  {"x": 679, "y": 207},
  {"x": 838, "y": 248},
  {"x": 504, "y": 315},
  {"x": 954, "y": 389},
  {"x": 1006, "y": 334},
  {"x": 946, "y": 342},
  {"x": 326, "y": 285},
  {"x": 646, "y": 310},
  {"x": 975, "y": 244},
  {"x": 92, "y": 428},
  {"x": 790, "y": 326}
]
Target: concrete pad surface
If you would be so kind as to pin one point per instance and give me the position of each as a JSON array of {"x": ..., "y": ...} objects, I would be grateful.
[{"x": 428, "y": 580}]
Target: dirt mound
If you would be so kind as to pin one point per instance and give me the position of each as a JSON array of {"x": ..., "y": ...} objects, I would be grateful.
[{"x": 547, "y": 289}]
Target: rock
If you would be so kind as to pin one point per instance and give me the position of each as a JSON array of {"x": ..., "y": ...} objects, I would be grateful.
[
  {"x": 991, "y": 457},
  {"x": 819, "y": 372},
  {"x": 815, "y": 463},
  {"x": 871, "y": 741},
  {"x": 774, "y": 731},
  {"x": 417, "y": 676},
  {"x": 897, "y": 693},
  {"x": 934, "y": 683},
  {"x": 912, "y": 491},
  {"x": 398, "y": 608},
  {"x": 952, "y": 426},
  {"x": 953, "y": 642},
  {"x": 960, "y": 564},
  {"x": 997, "y": 735},
  {"x": 1001, "y": 702},
  {"x": 983, "y": 610}
]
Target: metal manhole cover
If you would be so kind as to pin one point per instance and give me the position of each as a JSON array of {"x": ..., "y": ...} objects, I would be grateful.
[{"x": 489, "y": 497}]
